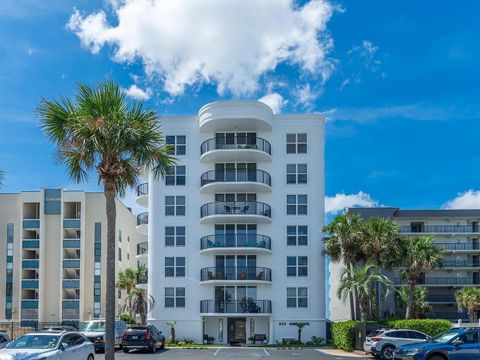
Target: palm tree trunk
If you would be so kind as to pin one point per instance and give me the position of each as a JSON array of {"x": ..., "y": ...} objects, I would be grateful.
[
  {"x": 352, "y": 297},
  {"x": 110, "y": 194},
  {"x": 411, "y": 292}
]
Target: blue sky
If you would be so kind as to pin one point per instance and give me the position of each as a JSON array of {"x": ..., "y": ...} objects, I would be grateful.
[{"x": 397, "y": 80}]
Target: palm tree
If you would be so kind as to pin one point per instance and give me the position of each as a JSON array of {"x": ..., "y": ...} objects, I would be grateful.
[
  {"x": 468, "y": 298},
  {"x": 99, "y": 131},
  {"x": 378, "y": 244},
  {"x": 300, "y": 326},
  {"x": 127, "y": 280},
  {"x": 140, "y": 303},
  {"x": 171, "y": 325},
  {"x": 420, "y": 304},
  {"x": 359, "y": 280},
  {"x": 342, "y": 243},
  {"x": 419, "y": 254}
]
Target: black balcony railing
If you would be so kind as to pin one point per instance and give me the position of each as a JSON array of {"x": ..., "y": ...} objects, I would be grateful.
[
  {"x": 236, "y": 273},
  {"x": 236, "y": 306},
  {"x": 441, "y": 298},
  {"x": 440, "y": 229},
  {"x": 445, "y": 280},
  {"x": 142, "y": 277},
  {"x": 447, "y": 315},
  {"x": 236, "y": 143},
  {"x": 460, "y": 264},
  {"x": 142, "y": 248},
  {"x": 142, "y": 189},
  {"x": 236, "y": 241},
  {"x": 256, "y": 176},
  {"x": 457, "y": 246},
  {"x": 235, "y": 208},
  {"x": 142, "y": 219}
]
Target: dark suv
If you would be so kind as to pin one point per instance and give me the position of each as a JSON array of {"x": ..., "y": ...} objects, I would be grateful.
[{"x": 143, "y": 337}]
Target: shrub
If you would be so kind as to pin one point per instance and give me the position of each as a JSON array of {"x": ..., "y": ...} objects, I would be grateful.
[
  {"x": 430, "y": 327},
  {"x": 343, "y": 334},
  {"x": 129, "y": 320}
]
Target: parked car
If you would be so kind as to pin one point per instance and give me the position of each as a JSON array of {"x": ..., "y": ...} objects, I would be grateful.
[
  {"x": 143, "y": 337},
  {"x": 59, "y": 328},
  {"x": 455, "y": 344},
  {"x": 94, "y": 330},
  {"x": 49, "y": 346},
  {"x": 384, "y": 343},
  {"x": 4, "y": 340}
]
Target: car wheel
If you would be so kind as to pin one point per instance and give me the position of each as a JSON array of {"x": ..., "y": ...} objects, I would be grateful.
[
  {"x": 125, "y": 350},
  {"x": 162, "y": 347},
  {"x": 436, "y": 357},
  {"x": 387, "y": 352},
  {"x": 91, "y": 357},
  {"x": 154, "y": 347}
]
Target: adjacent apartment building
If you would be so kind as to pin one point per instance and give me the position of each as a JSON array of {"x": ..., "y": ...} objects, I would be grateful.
[
  {"x": 234, "y": 233},
  {"x": 52, "y": 258},
  {"x": 457, "y": 232}
]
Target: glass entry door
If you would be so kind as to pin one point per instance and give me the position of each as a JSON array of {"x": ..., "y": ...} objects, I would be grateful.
[{"x": 237, "y": 330}]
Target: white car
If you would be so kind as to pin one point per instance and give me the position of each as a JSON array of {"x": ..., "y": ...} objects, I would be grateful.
[
  {"x": 49, "y": 346},
  {"x": 94, "y": 330},
  {"x": 382, "y": 344}
]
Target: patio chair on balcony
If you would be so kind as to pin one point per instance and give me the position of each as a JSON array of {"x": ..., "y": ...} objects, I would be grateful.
[
  {"x": 228, "y": 209},
  {"x": 209, "y": 275},
  {"x": 245, "y": 209},
  {"x": 253, "y": 308},
  {"x": 261, "y": 275},
  {"x": 242, "y": 275},
  {"x": 220, "y": 275}
]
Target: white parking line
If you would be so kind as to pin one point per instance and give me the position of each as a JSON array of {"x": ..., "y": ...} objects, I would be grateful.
[
  {"x": 216, "y": 352},
  {"x": 266, "y": 352}
]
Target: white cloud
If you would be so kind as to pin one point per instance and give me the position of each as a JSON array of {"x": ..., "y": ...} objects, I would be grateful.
[
  {"x": 227, "y": 43},
  {"x": 306, "y": 96},
  {"x": 467, "y": 200},
  {"x": 275, "y": 101},
  {"x": 339, "y": 202},
  {"x": 137, "y": 93}
]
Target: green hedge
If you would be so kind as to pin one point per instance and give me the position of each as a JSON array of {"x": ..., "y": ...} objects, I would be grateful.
[
  {"x": 343, "y": 335},
  {"x": 129, "y": 320},
  {"x": 430, "y": 327}
]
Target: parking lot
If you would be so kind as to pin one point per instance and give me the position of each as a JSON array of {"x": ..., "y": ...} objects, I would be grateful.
[{"x": 232, "y": 353}]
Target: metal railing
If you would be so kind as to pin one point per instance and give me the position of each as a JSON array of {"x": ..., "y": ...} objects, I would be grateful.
[
  {"x": 236, "y": 306},
  {"x": 142, "y": 219},
  {"x": 441, "y": 298},
  {"x": 219, "y": 143},
  {"x": 457, "y": 246},
  {"x": 142, "y": 189},
  {"x": 235, "y": 208},
  {"x": 236, "y": 241},
  {"x": 460, "y": 264},
  {"x": 236, "y": 273},
  {"x": 142, "y": 248},
  {"x": 257, "y": 176},
  {"x": 440, "y": 229},
  {"x": 443, "y": 280},
  {"x": 142, "y": 278}
]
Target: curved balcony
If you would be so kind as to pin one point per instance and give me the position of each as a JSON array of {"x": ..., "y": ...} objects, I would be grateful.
[
  {"x": 142, "y": 223},
  {"x": 235, "y": 211},
  {"x": 244, "y": 115},
  {"x": 142, "y": 279},
  {"x": 247, "y": 306},
  {"x": 142, "y": 250},
  {"x": 236, "y": 243},
  {"x": 235, "y": 180},
  {"x": 142, "y": 194},
  {"x": 241, "y": 149},
  {"x": 240, "y": 275}
]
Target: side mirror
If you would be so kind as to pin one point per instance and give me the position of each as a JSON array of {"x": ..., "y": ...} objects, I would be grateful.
[{"x": 457, "y": 342}]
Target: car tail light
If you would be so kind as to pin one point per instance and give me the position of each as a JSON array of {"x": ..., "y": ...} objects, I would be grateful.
[
  {"x": 124, "y": 336},
  {"x": 377, "y": 339},
  {"x": 148, "y": 335}
]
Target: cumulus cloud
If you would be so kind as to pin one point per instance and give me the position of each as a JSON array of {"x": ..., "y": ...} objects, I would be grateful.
[
  {"x": 230, "y": 44},
  {"x": 306, "y": 96},
  {"x": 275, "y": 101},
  {"x": 137, "y": 93},
  {"x": 339, "y": 202},
  {"x": 467, "y": 200}
]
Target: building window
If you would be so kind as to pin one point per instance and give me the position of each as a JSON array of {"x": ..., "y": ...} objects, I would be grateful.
[
  {"x": 297, "y": 235},
  {"x": 119, "y": 254},
  {"x": 297, "y": 266},
  {"x": 174, "y": 235},
  {"x": 9, "y": 272},
  {"x": 296, "y": 204},
  {"x": 178, "y": 144},
  {"x": 174, "y": 205},
  {"x": 177, "y": 176},
  {"x": 174, "y": 297},
  {"x": 120, "y": 236},
  {"x": 296, "y": 173},
  {"x": 297, "y": 143},
  {"x": 174, "y": 267},
  {"x": 297, "y": 297}
]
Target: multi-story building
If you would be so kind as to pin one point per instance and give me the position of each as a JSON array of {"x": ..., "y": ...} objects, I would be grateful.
[
  {"x": 53, "y": 245},
  {"x": 234, "y": 233},
  {"x": 457, "y": 232}
]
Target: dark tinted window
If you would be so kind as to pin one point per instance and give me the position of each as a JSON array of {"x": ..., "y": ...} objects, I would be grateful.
[
  {"x": 398, "y": 334},
  {"x": 469, "y": 338}
]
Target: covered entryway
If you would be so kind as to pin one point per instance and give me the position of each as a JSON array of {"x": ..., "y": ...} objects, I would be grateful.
[{"x": 237, "y": 332}]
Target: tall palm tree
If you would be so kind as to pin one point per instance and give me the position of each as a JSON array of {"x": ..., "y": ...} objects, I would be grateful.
[
  {"x": 468, "y": 298},
  {"x": 420, "y": 304},
  {"x": 100, "y": 131},
  {"x": 419, "y": 254},
  {"x": 342, "y": 244},
  {"x": 127, "y": 280},
  {"x": 359, "y": 280},
  {"x": 139, "y": 303},
  {"x": 378, "y": 244}
]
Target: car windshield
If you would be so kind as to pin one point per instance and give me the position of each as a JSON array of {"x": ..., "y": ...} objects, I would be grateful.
[
  {"x": 93, "y": 326},
  {"x": 445, "y": 337},
  {"x": 35, "y": 342}
]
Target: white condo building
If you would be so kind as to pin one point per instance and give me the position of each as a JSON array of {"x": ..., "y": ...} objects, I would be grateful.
[{"x": 234, "y": 234}]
